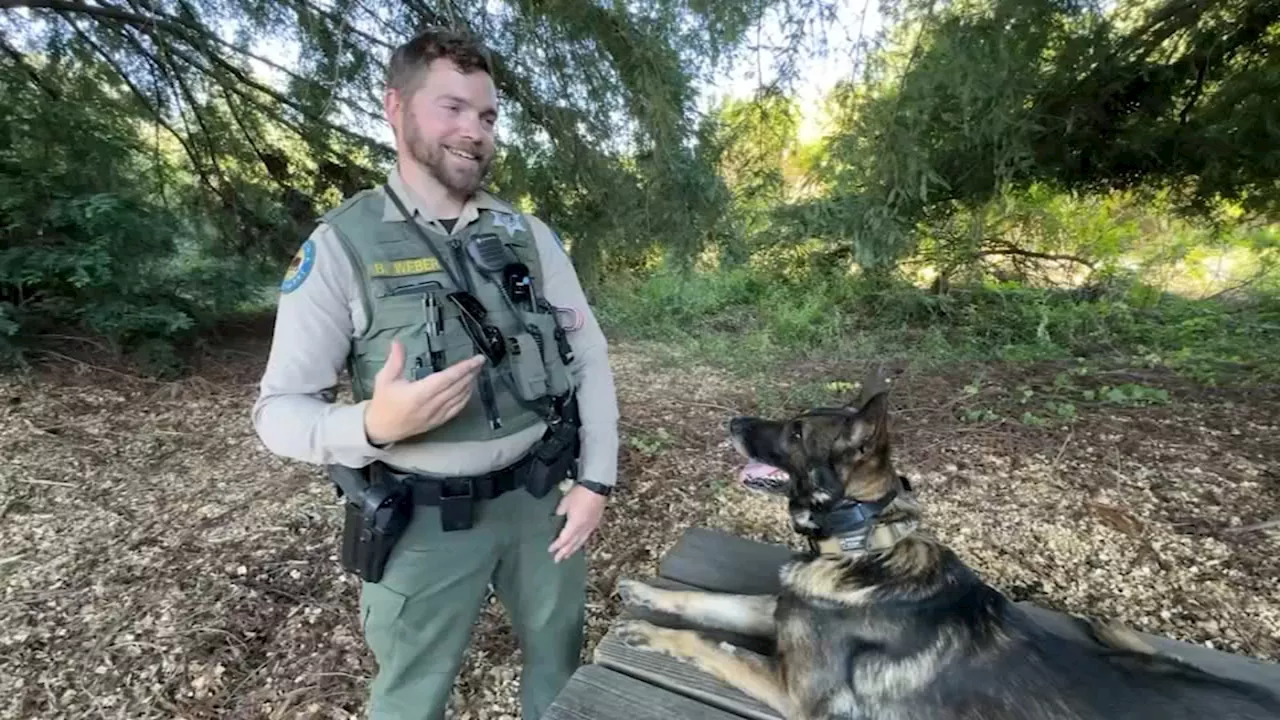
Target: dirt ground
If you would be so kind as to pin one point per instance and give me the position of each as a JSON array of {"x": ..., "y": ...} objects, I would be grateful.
[{"x": 158, "y": 562}]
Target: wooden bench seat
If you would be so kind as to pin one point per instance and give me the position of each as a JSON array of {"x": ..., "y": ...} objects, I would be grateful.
[{"x": 598, "y": 693}]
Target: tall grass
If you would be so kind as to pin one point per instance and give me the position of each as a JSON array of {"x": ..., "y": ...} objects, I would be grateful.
[{"x": 750, "y": 319}]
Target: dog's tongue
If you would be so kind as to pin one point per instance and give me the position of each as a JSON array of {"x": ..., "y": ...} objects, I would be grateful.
[{"x": 760, "y": 476}]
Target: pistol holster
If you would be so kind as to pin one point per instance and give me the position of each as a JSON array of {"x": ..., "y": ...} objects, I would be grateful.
[{"x": 378, "y": 509}]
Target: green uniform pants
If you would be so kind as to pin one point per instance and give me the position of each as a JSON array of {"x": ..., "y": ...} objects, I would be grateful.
[{"x": 418, "y": 620}]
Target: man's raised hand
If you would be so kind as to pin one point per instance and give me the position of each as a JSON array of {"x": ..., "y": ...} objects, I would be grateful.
[{"x": 400, "y": 408}]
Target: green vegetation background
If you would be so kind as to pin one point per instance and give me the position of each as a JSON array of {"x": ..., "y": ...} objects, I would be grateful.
[{"x": 1005, "y": 180}]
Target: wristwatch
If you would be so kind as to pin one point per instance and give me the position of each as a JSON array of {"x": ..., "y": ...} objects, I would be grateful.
[{"x": 596, "y": 487}]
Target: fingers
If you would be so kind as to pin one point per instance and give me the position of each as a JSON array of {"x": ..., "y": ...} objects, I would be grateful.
[
  {"x": 461, "y": 370},
  {"x": 570, "y": 540},
  {"x": 572, "y": 544},
  {"x": 459, "y": 374},
  {"x": 569, "y": 551},
  {"x": 434, "y": 400},
  {"x": 566, "y": 534},
  {"x": 583, "y": 515},
  {"x": 455, "y": 407},
  {"x": 559, "y": 548},
  {"x": 429, "y": 402},
  {"x": 394, "y": 365},
  {"x": 562, "y": 540}
]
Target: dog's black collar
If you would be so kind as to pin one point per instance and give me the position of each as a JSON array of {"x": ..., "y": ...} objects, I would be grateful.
[
  {"x": 850, "y": 516},
  {"x": 850, "y": 521}
]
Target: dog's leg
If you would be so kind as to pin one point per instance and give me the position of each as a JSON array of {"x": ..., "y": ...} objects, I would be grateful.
[
  {"x": 750, "y": 673},
  {"x": 744, "y": 614}
]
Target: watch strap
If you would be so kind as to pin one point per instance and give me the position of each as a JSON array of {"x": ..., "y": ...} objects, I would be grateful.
[{"x": 595, "y": 487}]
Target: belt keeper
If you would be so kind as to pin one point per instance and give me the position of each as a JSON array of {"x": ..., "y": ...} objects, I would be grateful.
[{"x": 457, "y": 510}]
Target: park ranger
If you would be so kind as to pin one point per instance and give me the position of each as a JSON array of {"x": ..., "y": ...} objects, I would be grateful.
[{"x": 481, "y": 382}]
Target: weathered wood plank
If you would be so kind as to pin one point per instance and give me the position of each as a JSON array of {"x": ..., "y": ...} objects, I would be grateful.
[
  {"x": 598, "y": 693},
  {"x": 678, "y": 677},
  {"x": 722, "y": 562},
  {"x": 762, "y": 646}
]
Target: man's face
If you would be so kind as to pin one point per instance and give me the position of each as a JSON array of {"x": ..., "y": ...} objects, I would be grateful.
[{"x": 447, "y": 125}]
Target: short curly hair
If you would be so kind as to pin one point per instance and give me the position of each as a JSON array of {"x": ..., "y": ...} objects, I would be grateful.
[{"x": 410, "y": 60}]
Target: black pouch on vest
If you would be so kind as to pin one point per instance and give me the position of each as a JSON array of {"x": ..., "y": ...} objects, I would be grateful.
[
  {"x": 519, "y": 284},
  {"x": 373, "y": 523},
  {"x": 553, "y": 459}
]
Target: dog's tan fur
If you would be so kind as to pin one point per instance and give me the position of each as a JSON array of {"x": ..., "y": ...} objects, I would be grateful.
[{"x": 730, "y": 665}]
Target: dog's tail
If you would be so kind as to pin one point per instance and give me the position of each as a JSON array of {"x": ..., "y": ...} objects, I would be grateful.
[
  {"x": 1117, "y": 635},
  {"x": 1137, "y": 654}
]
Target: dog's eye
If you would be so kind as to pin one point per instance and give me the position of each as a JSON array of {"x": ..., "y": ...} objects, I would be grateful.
[{"x": 795, "y": 432}]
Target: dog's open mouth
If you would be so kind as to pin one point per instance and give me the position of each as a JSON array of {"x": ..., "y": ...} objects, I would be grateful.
[{"x": 761, "y": 477}]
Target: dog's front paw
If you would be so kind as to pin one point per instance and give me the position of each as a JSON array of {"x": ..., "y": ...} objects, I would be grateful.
[
  {"x": 636, "y": 594},
  {"x": 638, "y": 634}
]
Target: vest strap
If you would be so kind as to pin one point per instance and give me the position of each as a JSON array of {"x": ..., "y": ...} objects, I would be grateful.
[{"x": 408, "y": 217}]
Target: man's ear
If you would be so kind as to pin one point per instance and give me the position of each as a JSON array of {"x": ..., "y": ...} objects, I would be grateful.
[{"x": 391, "y": 109}]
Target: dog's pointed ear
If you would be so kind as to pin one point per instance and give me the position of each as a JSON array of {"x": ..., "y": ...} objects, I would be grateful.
[
  {"x": 873, "y": 383},
  {"x": 876, "y": 409},
  {"x": 870, "y": 420}
]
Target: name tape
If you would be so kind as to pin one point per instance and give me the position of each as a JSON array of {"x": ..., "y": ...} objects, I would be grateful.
[{"x": 411, "y": 266}]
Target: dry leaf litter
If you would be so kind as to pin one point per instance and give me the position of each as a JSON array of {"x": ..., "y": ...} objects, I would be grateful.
[{"x": 159, "y": 563}]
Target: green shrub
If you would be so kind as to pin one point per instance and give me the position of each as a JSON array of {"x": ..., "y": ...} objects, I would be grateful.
[
  {"x": 92, "y": 241},
  {"x": 770, "y": 319}
]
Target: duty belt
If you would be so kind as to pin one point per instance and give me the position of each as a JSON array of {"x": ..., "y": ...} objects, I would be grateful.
[
  {"x": 432, "y": 489},
  {"x": 456, "y": 495}
]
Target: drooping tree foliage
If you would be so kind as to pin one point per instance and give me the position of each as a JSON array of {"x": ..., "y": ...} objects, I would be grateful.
[{"x": 146, "y": 133}]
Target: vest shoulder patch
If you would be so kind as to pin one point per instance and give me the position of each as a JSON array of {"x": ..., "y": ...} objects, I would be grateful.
[
  {"x": 299, "y": 267},
  {"x": 408, "y": 266}
]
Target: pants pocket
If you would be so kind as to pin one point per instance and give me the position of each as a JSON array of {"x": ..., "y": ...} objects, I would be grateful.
[
  {"x": 538, "y": 518},
  {"x": 380, "y": 609}
]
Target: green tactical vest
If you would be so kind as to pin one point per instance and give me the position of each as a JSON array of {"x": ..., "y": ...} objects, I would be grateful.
[{"x": 402, "y": 277}]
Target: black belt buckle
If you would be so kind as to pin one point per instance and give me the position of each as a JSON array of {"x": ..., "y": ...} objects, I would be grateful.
[{"x": 457, "y": 510}]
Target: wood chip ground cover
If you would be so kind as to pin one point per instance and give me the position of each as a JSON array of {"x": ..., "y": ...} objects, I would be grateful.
[{"x": 158, "y": 562}]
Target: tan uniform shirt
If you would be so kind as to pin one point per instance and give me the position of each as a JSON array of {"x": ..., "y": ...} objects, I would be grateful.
[{"x": 296, "y": 416}]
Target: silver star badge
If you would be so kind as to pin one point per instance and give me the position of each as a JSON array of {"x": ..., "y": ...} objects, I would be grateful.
[{"x": 511, "y": 223}]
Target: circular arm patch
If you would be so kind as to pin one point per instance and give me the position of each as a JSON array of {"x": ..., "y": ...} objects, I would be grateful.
[{"x": 299, "y": 267}]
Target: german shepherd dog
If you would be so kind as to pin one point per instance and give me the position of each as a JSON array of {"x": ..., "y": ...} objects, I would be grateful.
[{"x": 881, "y": 621}]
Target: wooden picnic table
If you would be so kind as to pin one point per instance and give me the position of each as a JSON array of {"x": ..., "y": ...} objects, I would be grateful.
[{"x": 626, "y": 684}]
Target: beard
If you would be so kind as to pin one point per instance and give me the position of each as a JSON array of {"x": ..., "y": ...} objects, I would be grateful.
[{"x": 454, "y": 173}]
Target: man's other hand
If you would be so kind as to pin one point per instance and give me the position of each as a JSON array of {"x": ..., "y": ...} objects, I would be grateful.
[
  {"x": 584, "y": 510},
  {"x": 400, "y": 408}
]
